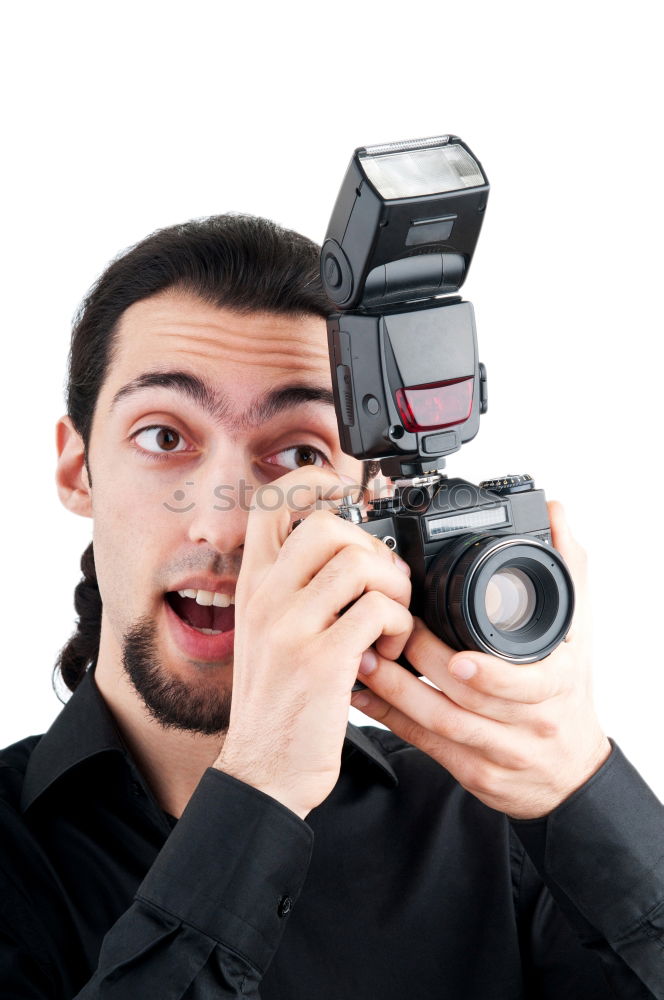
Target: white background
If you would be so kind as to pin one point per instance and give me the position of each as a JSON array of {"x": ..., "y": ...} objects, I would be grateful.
[{"x": 121, "y": 118}]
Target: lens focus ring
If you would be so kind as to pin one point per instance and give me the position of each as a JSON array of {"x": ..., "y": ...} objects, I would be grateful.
[{"x": 510, "y": 596}]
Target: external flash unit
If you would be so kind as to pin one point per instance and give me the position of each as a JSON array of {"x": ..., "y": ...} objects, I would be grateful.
[{"x": 403, "y": 233}]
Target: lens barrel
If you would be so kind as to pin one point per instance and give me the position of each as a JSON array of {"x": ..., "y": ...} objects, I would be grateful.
[{"x": 510, "y": 596}]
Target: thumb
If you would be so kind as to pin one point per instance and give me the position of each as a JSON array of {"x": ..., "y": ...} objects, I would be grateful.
[
  {"x": 561, "y": 534},
  {"x": 573, "y": 553}
]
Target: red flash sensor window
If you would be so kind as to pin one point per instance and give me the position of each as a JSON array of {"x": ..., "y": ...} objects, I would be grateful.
[{"x": 431, "y": 407}]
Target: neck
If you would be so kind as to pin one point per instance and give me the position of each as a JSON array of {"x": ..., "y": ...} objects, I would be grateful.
[{"x": 171, "y": 760}]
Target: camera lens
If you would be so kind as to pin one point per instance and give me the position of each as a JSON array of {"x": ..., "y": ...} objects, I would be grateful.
[
  {"x": 510, "y": 596},
  {"x": 510, "y": 599}
]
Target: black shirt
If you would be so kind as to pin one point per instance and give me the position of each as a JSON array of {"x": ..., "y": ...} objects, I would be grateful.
[{"x": 400, "y": 885}]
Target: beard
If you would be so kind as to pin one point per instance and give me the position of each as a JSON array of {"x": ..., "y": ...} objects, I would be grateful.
[{"x": 169, "y": 700}]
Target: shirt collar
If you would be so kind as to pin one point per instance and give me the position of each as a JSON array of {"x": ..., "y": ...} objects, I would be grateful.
[
  {"x": 86, "y": 727},
  {"x": 359, "y": 739}
]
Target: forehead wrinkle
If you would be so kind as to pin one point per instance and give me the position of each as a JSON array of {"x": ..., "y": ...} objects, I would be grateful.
[
  {"x": 174, "y": 317},
  {"x": 274, "y": 354},
  {"x": 180, "y": 315},
  {"x": 265, "y": 360},
  {"x": 240, "y": 341}
]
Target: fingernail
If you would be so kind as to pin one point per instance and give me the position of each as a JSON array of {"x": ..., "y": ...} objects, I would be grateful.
[
  {"x": 463, "y": 669},
  {"x": 360, "y": 700},
  {"x": 403, "y": 566},
  {"x": 368, "y": 663}
]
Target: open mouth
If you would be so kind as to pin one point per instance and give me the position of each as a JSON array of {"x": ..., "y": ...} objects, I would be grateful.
[{"x": 209, "y": 619}]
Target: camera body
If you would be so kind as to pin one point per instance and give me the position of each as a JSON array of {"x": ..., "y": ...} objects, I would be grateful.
[{"x": 484, "y": 573}]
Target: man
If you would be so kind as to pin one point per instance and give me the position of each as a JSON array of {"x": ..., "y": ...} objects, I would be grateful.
[{"x": 164, "y": 841}]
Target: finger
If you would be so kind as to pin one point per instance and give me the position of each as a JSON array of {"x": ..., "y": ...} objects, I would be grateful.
[
  {"x": 426, "y": 652},
  {"x": 477, "y": 772},
  {"x": 270, "y": 518},
  {"x": 530, "y": 683},
  {"x": 371, "y": 616},
  {"x": 577, "y": 562},
  {"x": 435, "y": 667},
  {"x": 391, "y": 646},
  {"x": 431, "y": 657},
  {"x": 353, "y": 571},
  {"x": 403, "y": 701},
  {"x": 316, "y": 541},
  {"x": 560, "y": 529},
  {"x": 563, "y": 540}
]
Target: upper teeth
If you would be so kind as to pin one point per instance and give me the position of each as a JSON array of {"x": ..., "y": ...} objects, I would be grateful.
[{"x": 208, "y": 597}]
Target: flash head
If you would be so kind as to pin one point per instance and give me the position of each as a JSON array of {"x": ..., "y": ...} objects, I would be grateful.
[
  {"x": 405, "y": 223},
  {"x": 422, "y": 167}
]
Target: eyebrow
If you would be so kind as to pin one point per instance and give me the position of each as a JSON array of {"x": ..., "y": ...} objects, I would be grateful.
[{"x": 217, "y": 406}]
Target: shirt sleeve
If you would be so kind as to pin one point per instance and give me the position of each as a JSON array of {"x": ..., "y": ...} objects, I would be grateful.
[
  {"x": 209, "y": 915},
  {"x": 600, "y": 855}
]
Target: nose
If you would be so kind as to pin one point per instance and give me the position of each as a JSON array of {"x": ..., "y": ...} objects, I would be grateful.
[{"x": 220, "y": 516}]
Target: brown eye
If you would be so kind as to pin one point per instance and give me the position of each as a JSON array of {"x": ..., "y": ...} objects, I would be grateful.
[
  {"x": 297, "y": 457},
  {"x": 160, "y": 440},
  {"x": 305, "y": 456},
  {"x": 167, "y": 439}
]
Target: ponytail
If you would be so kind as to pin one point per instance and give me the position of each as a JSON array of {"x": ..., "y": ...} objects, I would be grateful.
[{"x": 83, "y": 647}]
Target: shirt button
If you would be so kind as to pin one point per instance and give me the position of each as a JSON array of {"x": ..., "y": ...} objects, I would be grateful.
[{"x": 285, "y": 906}]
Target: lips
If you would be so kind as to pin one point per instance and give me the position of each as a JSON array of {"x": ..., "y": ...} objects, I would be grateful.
[{"x": 189, "y": 640}]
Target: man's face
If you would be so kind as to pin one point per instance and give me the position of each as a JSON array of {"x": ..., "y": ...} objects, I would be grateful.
[{"x": 242, "y": 400}]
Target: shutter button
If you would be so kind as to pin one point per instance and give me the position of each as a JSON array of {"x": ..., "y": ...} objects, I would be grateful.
[{"x": 285, "y": 906}]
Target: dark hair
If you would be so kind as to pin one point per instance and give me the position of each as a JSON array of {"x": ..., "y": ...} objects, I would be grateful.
[{"x": 242, "y": 262}]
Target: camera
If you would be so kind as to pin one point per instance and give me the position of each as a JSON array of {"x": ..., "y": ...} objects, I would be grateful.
[
  {"x": 484, "y": 573},
  {"x": 409, "y": 390}
]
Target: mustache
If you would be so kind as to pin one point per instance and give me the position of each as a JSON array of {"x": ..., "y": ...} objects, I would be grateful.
[{"x": 215, "y": 563}]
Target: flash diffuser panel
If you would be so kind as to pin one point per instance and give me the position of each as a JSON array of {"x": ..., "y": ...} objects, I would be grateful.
[{"x": 418, "y": 170}]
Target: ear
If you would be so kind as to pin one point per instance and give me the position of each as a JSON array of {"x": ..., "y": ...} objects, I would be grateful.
[{"x": 71, "y": 474}]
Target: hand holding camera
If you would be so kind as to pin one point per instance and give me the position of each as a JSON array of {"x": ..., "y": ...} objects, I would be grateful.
[
  {"x": 521, "y": 739},
  {"x": 296, "y": 656}
]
